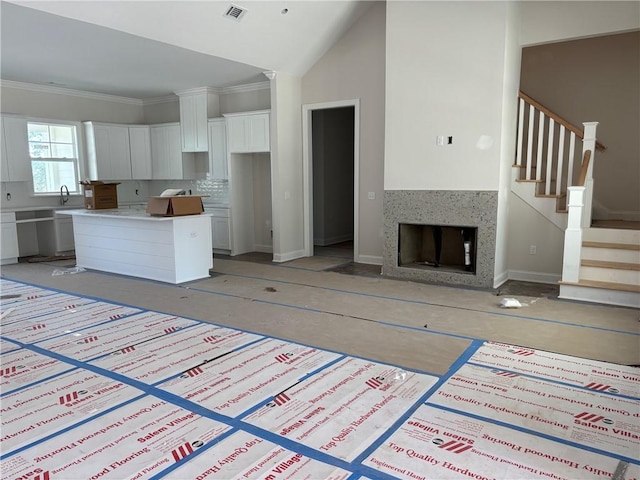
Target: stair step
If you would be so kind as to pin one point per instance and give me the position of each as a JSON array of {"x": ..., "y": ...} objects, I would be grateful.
[
  {"x": 621, "y": 287},
  {"x": 618, "y": 246},
  {"x": 529, "y": 181},
  {"x": 612, "y": 235},
  {"x": 608, "y": 264},
  {"x": 551, "y": 195},
  {"x": 611, "y": 255},
  {"x": 601, "y": 292}
]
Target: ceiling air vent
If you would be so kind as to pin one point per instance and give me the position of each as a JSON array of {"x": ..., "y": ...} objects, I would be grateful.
[{"x": 234, "y": 12}]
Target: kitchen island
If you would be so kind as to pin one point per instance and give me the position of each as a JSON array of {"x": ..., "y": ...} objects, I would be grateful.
[{"x": 132, "y": 242}]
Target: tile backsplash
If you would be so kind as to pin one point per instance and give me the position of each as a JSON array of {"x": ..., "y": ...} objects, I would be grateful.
[{"x": 218, "y": 190}]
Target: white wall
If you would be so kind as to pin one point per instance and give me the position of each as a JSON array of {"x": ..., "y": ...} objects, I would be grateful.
[
  {"x": 544, "y": 22},
  {"x": 529, "y": 227},
  {"x": 286, "y": 167},
  {"x": 354, "y": 69},
  {"x": 445, "y": 68}
]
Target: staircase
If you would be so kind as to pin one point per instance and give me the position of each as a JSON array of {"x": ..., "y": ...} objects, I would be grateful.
[
  {"x": 609, "y": 268},
  {"x": 600, "y": 265}
]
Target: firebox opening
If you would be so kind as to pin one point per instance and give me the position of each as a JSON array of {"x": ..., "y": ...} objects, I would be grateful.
[{"x": 438, "y": 247}]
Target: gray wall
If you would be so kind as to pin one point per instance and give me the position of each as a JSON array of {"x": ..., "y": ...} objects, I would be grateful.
[
  {"x": 354, "y": 68},
  {"x": 596, "y": 79}
]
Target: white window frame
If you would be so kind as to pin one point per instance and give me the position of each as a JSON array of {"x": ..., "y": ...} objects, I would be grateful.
[{"x": 79, "y": 161}]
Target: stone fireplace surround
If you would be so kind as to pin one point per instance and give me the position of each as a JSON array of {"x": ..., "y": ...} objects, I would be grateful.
[{"x": 442, "y": 207}]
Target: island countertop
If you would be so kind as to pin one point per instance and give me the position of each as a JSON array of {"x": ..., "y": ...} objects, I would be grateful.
[{"x": 126, "y": 213}]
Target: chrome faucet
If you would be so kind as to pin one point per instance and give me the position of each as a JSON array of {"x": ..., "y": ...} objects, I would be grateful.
[{"x": 64, "y": 199}]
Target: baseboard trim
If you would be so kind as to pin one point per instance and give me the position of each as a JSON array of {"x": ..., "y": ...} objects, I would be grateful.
[
  {"x": 325, "y": 242},
  {"x": 369, "y": 259},
  {"x": 263, "y": 248},
  {"x": 500, "y": 279},
  {"x": 536, "y": 277},
  {"x": 285, "y": 257}
]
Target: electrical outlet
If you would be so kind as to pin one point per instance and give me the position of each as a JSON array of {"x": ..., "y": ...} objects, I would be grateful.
[{"x": 533, "y": 249}]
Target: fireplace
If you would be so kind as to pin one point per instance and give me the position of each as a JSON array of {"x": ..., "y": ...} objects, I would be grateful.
[
  {"x": 446, "y": 247},
  {"x": 420, "y": 223}
]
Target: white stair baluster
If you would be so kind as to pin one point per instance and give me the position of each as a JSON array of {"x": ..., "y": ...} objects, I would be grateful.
[
  {"x": 520, "y": 133},
  {"x": 530, "y": 141},
  {"x": 572, "y": 154},
  {"x": 560, "y": 160},
  {"x": 547, "y": 183},
  {"x": 540, "y": 143}
]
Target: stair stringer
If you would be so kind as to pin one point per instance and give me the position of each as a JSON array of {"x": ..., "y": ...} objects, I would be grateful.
[{"x": 545, "y": 205}]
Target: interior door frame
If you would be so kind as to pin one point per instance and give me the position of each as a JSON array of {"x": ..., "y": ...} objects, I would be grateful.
[{"x": 307, "y": 170}]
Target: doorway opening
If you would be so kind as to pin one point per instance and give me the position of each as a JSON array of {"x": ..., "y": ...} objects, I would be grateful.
[{"x": 330, "y": 169}]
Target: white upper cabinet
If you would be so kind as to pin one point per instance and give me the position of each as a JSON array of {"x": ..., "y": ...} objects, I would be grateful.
[
  {"x": 168, "y": 162},
  {"x": 218, "y": 149},
  {"x": 15, "y": 163},
  {"x": 248, "y": 132},
  {"x": 194, "y": 109},
  {"x": 140, "y": 148},
  {"x": 109, "y": 154}
]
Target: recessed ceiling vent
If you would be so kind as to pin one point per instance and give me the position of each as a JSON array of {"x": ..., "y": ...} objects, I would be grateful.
[{"x": 234, "y": 12}]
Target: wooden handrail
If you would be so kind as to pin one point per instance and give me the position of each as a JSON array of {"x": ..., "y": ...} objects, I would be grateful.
[
  {"x": 582, "y": 179},
  {"x": 557, "y": 118}
]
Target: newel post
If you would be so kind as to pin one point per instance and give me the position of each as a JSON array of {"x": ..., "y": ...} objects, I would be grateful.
[
  {"x": 573, "y": 236},
  {"x": 589, "y": 143}
]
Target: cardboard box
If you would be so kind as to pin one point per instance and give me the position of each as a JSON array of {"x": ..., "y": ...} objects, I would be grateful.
[
  {"x": 175, "y": 206},
  {"x": 99, "y": 195}
]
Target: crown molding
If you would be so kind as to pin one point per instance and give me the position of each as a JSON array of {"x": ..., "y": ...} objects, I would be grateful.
[
  {"x": 191, "y": 91},
  {"x": 158, "y": 100},
  {"x": 33, "y": 87},
  {"x": 251, "y": 87}
]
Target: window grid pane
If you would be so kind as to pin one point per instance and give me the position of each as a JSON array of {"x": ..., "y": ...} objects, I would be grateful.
[{"x": 53, "y": 150}]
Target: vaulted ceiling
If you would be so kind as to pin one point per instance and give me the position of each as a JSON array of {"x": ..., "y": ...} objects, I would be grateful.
[{"x": 148, "y": 49}]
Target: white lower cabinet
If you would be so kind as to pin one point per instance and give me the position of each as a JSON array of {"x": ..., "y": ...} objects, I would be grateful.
[
  {"x": 8, "y": 239},
  {"x": 220, "y": 229}
]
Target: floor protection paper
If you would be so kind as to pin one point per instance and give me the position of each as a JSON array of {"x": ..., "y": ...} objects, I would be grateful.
[{"x": 93, "y": 389}]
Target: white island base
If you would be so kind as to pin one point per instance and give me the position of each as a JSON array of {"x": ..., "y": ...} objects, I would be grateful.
[{"x": 129, "y": 242}]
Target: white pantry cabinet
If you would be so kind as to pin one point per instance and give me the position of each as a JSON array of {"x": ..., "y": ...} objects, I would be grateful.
[
  {"x": 168, "y": 161},
  {"x": 15, "y": 163},
  {"x": 248, "y": 132},
  {"x": 109, "y": 154},
  {"x": 193, "y": 122},
  {"x": 218, "y": 168}
]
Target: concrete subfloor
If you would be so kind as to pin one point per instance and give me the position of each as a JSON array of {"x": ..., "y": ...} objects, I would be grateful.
[{"x": 358, "y": 312}]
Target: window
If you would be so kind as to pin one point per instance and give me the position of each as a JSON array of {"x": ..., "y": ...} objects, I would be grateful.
[{"x": 53, "y": 149}]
